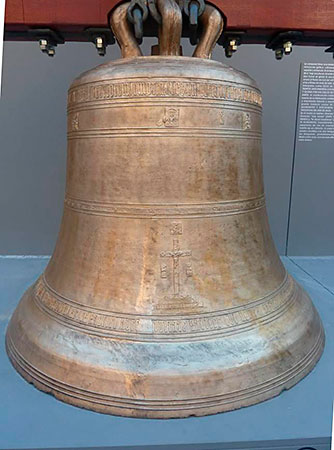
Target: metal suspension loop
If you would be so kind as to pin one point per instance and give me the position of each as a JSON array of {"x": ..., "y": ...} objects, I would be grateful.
[
  {"x": 193, "y": 9},
  {"x": 170, "y": 29},
  {"x": 193, "y": 22},
  {"x": 154, "y": 11},
  {"x": 212, "y": 23},
  {"x": 137, "y": 14},
  {"x": 123, "y": 32},
  {"x": 138, "y": 24}
]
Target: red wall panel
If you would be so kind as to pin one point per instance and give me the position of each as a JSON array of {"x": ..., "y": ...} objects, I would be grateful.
[{"x": 241, "y": 14}]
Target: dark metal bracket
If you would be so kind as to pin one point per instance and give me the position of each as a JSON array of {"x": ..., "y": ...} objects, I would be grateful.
[
  {"x": 282, "y": 43},
  {"x": 231, "y": 40},
  {"x": 48, "y": 39},
  {"x": 101, "y": 38}
]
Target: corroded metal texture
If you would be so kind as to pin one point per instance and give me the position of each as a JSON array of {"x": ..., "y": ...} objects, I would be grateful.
[{"x": 165, "y": 296}]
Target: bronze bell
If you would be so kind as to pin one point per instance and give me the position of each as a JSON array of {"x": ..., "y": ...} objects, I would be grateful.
[{"x": 165, "y": 296}]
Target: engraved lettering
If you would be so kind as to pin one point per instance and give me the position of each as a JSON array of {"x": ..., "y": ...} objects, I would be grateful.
[
  {"x": 105, "y": 91},
  {"x": 246, "y": 121},
  {"x": 163, "y": 271},
  {"x": 189, "y": 270},
  {"x": 222, "y": 117},
  {"x": 75, "y": 122},
  {"x": 176, "y": 229},
  {"x": 264, "y": 310}
]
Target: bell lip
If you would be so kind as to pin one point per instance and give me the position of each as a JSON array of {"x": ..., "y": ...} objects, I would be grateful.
[
  {"x": 81, "y": 394},
  {"x": 191, "y": 68},
  {"x": 75, "y": 398}
]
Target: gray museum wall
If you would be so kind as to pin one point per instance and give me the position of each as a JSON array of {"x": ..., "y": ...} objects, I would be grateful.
[{"x": 33, "y": 147}]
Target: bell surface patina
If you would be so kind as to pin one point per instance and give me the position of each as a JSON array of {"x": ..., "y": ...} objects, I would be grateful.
[{"x": 165, "y": 296}]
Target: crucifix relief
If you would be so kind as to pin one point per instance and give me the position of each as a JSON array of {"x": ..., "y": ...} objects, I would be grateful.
[{"x": 176, "y": 254}]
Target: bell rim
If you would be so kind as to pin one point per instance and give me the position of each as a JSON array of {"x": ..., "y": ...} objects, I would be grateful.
[
  {"x": 85, "y": 401},
  {"x": 279, "y": 375}
]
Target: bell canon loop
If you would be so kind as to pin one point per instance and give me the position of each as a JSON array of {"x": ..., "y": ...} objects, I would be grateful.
[{"x": 165, "y": 296}]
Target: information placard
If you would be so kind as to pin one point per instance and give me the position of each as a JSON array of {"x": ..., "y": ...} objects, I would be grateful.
[
  {"x": 312, "y": 184},
  {"x": 316, "y": 107}
]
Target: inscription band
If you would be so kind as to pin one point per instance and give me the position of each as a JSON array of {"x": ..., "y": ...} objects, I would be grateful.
[
  {"x": 145, "y": 327},
  {"x": 92, "y": 92}
]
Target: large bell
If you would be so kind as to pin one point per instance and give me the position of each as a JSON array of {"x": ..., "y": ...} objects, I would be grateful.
[{"x": 165, "y": 296}]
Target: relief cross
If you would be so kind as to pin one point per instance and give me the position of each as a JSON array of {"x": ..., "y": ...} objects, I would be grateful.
[{"x": 176, "y": 254}]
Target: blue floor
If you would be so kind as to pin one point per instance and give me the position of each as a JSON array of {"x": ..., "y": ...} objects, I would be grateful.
[{"x": 31, "y": 419}]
